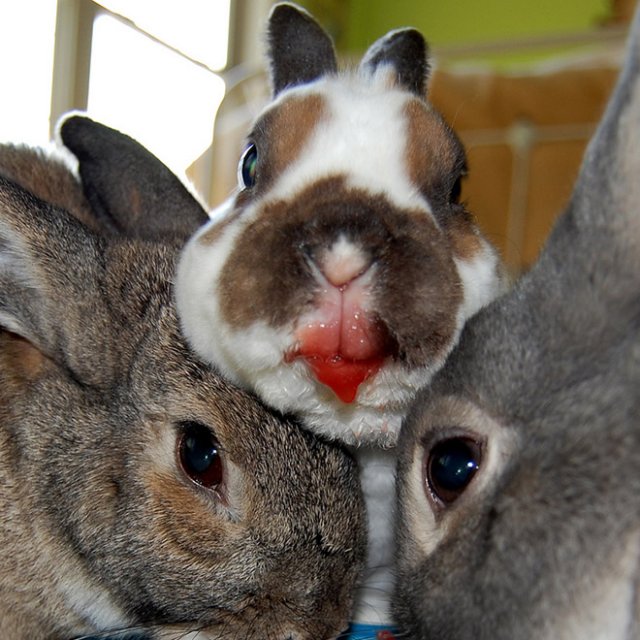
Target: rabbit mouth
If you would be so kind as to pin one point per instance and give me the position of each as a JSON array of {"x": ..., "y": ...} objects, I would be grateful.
[
  {"x": 342, "y": 341},
  {"x": 342, "y": 375}
]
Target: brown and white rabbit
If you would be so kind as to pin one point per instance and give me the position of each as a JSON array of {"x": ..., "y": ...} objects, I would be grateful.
[
  {"x": 335, "y": 282},
  {"x": 139, "y": 490},
  {"x": 519, "y": 468}
]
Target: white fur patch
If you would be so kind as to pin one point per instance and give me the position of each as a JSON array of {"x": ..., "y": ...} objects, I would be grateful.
[
  {"x": 364, "y": 138},
  {"x": 91, "y": 603},
  {"x": 343, "y": 262},
  {"x": 481, "y": 280},
  {"x": 196, "y": 292},
  {"x": 377, "y": 476}
]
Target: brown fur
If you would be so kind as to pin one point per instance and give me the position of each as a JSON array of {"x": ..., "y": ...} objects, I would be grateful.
[
  {"x": 463, "y": 236},
  {"x": 435, "y": 156},
  {"x": 281, "y": 133},
  {"x": 46, "y": 177},
  {"x": 20, "y": 359},
  {"x": 285, "y": 235},
  {"x": 435, "y": 159},
  {"x": 95, "y": 383}
]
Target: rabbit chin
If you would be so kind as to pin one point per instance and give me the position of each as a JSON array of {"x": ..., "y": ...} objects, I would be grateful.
[{"x": 255, "y": 358}]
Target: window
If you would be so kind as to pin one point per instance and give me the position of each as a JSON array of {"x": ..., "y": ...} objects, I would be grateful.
[
  {"x": 27, "y": 31},
  {"x": 151, "y": 68}
]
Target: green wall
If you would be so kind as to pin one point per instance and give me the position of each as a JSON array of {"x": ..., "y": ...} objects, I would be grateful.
[{"x": 357, "y": 23}]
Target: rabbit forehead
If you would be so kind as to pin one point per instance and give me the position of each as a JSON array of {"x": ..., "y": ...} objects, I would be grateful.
[{"x": 364, "y": 134}]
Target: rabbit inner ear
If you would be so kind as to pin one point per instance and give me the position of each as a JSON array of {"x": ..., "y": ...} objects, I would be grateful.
[{"x": 300, "y": 51}]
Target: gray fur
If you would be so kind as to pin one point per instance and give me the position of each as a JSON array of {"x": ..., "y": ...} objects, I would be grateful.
[
  {"x": 129, "y": 189},
  {"x": 546, "y": 543},
  {"x": 100, "y": 528}
]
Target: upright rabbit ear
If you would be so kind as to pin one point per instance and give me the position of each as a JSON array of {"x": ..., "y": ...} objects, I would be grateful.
[
  {"x": 129, "y": 189},
  {"x": 300, "y": 51},
  {"x": 405, "y": 52},
  {"x": 595, "y": 246},
  {"x": 48, "y": 260},
  {"x": 607, "y": 192}
]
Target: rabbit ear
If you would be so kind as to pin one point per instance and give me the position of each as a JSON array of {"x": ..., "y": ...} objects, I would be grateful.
[
  {"x": 595, "y": 246},
  {"x": 47, "y": 259},
  {"x": 607, "y": 191},
  {"x": 406, "y": 53},
  {"x": 300, "y": 51},
  {"x": 129, "y": 189}
]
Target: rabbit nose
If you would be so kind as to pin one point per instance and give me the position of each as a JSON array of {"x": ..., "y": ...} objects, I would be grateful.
[{"x": 343, "y": 262}]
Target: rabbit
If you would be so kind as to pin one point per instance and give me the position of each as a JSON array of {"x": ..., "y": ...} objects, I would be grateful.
[
  {"x": 144, "y": 496},
  {"x": 336, "y": 280},
  {"x": 519, "y": 466}
]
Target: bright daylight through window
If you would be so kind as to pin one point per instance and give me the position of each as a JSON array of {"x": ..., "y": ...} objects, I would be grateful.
[{"x": 153, "y": 71}]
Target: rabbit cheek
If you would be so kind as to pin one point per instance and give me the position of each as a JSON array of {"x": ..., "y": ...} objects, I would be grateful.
[
  {"x": 424, "y": 323},
  {"x": 21, "y": 361}
]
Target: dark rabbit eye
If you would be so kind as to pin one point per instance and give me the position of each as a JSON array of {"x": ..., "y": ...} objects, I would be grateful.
[
  {"x": 199, "y": 454},
  {"x": 456, "y": 191},
  {"x": 248, "y": 167},
  {"x": 450, "y": 467}
]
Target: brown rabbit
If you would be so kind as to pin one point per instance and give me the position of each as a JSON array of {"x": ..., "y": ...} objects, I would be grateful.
[{"x": 138, "y": 489}]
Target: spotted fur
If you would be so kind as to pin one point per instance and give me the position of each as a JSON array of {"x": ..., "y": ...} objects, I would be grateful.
[
  {"x": 348, "y": 245},
  {"x": 357, "y": 159}
]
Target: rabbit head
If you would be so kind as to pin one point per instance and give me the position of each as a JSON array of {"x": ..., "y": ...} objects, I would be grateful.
[
  {"x": 138, "y": 488},
  {"x": 519, "y": 469},
  {"x": 335, "y": 281}
]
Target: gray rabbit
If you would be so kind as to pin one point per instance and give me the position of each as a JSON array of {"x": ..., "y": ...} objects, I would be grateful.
[
  {"x": 138, "y": 489},
  {"x": 519, "y": 469}
]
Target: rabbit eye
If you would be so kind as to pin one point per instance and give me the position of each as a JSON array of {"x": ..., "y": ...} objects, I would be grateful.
[
  {"x": 456, "y": 191},
  {"x": 248, "y": 167},
  {"x": 200, "y": 455},
  {"x": 450, "y": 467}
]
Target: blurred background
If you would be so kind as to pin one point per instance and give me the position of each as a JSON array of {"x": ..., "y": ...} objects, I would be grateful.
[{"x": 523, "y": 83}]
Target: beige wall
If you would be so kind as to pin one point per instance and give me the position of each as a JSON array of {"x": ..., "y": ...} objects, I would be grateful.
[{"x": 525, "y": 136}]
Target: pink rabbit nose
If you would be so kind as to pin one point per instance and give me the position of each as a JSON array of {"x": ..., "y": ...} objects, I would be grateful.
[{"x": 343, "y": 263}]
